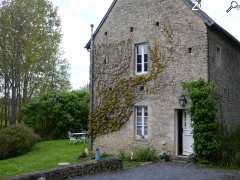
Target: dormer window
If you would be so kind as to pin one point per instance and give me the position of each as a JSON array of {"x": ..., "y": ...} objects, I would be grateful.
[{"x": 142, "y": 58}]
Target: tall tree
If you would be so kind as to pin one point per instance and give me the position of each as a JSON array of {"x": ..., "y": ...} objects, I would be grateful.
[{"x": 30, "y": 35}]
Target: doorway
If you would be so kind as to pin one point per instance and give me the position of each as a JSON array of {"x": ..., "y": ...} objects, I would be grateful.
[{"x": 184, "y": 133}]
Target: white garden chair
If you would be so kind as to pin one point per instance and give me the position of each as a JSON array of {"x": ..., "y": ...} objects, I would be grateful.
[{"x": 72, "y": 139}]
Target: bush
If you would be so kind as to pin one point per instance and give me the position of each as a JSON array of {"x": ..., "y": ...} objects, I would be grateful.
[
  {"x": 231, "y": 150},
  {"x": 145, "y": 154},
  {"x": 16, "y": 140},
  {"x": 237, "y": 159},
  {"x": 164, "y": 156},
  {"x": 206, "y": 131},
  {"x": 124, "y": 157},
  {"x": 53, "y": 114}
]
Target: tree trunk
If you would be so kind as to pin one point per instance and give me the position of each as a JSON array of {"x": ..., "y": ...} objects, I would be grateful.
[{"x": 13, "y": 119}]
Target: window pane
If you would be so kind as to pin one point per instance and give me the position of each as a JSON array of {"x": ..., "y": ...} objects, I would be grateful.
[
  {"x": 145, "y": 111},
  {"x": 145, "y": 58},
  {"x": 139, "y": 111},
  {"x": 139, "y": 121},
  {"x": 139, "y": 59},
  {"x": 139, "y": 67},
  {"x": 145, "y": 121},
  {"x": 145, "y": 67},
  {"x": 139, "y": 131}
]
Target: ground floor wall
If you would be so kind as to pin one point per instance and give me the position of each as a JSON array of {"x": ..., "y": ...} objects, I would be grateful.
[{"x": 162, "y": 131}]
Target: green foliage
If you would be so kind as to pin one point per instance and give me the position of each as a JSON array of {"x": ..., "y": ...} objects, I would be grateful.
[
  {"x": 124, "y": 157},
  {"x": 230, "y": 151},
  {"x": 237, "y": 159},
  {"x": 83, "y": 155},
  {"x": 206, "y": 131},
  {"x": 53, "y": 114},
  {"x": 145, "y": 155},
  {"x": 165, "y": 157},
  {"x": 16, "y": 140},
  {"x": 30, "y": 61},
  {"x": 43, "y": 156}
]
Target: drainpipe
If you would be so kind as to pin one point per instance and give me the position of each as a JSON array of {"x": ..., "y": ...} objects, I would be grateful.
[{"x": 91, "y": 79}]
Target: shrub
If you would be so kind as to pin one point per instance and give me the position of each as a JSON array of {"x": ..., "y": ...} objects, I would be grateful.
[
  {"x": 206, "y": 131},
  {"x": 145, "y": 154},
  {"x": 231, "y": 149},
  {"x": 237, "y": 159},
  {"x": 164, "y": 156},
  {"x": 124, "y": 157},
  {"x": 53, "y": 114},
  {"x": 16, "y": 140}
]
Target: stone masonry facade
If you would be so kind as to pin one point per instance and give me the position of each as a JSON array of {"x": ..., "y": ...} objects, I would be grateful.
[
  {"x": 224, "y": 73},
  {"x": 131, "y": 22}
]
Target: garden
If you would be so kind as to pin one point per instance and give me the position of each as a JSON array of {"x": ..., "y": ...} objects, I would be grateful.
[
  {"x": 43, "y": 156},
  {"x": 39, "y": 141}
]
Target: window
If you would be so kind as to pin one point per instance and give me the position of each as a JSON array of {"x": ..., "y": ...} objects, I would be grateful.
[
  {"x": 141, "y": 113},
  {"x": 218, "y": 56},
  {"x": 141, "y": 58},
  {"x": 218, "y": 53}
]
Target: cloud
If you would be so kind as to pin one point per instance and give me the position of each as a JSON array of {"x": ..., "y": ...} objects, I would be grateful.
[{"x": 76, "y": 17}]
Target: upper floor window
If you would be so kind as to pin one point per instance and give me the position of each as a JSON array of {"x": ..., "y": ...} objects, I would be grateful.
[
  {"x": 218, "y": 52},
  {"x": 218, "y": 56},
  {"x": 142, "y": 58}
]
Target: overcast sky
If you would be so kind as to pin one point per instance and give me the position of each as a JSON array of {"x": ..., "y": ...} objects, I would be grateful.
[{"x": 77, "y": 15}]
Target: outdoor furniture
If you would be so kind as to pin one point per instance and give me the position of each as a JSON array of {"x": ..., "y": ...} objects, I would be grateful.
[{"x": 77, "y": 137}]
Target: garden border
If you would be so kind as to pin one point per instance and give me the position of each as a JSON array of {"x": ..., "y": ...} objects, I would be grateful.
[{"x": 87, "y": 168}]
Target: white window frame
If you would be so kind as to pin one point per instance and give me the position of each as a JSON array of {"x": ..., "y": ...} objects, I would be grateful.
[
  {"x": 142, "y": 47},
  {"x": 143, "y": 125}
]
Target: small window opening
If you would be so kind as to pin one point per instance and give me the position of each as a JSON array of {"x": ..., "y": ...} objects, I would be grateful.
[
  {"x": 104, "y": 61},
  {"x": 189, "y": 50},
  {"x": 106, "y": 33},
  {"x": 141, "y": 88},
  {"x": 131, "y": 29},
  {"x": 157, "y": 23}
]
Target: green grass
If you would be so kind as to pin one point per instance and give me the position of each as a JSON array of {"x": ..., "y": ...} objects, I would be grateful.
[{"x": 44, "y": 155}]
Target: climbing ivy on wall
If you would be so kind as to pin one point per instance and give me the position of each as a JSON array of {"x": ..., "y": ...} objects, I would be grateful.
[
  {"x": 206, "y": 130},
  {"x": 115, "y": 103}
]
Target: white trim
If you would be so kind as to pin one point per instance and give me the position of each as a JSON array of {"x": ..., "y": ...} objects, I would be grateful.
[
  {"x": 142, "y": 126},
  {"x": 141, "y": 47}
]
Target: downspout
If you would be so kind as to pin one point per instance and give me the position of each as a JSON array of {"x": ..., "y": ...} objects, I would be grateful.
[{"x": 91, "y": 80}]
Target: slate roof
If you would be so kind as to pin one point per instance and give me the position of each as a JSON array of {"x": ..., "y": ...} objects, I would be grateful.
[{"x": 206, "y": 19}]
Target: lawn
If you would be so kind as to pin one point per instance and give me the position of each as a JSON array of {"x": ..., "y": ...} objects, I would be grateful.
[{"x": 44, "y": 155}]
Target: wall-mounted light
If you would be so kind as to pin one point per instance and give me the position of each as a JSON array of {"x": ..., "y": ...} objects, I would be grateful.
[{"x": 182, "y": 100}]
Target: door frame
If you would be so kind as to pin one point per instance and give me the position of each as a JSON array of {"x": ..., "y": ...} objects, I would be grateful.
[
  {"x": 178, "y": 137},
  {"x": 178, "y": 114}
]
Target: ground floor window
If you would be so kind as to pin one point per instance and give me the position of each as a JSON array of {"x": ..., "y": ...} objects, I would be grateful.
[{"x": 141, "y": 118}]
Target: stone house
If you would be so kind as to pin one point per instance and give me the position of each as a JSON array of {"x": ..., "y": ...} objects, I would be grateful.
[{"x": 201, "y": 49}]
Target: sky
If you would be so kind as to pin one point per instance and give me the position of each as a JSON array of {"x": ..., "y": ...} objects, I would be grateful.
[{"x": 77, "y": 15}]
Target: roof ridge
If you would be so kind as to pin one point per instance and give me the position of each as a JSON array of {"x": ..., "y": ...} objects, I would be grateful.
[{"x": 205, "y": 18}]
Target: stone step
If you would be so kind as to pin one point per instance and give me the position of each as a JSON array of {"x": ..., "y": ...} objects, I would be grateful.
[{"x": 180, "y": 159}]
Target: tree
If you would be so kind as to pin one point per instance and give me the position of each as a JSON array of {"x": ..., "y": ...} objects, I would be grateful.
[
  {"x": 30, "y": 35},
  {"x": 53, "y": 114}
]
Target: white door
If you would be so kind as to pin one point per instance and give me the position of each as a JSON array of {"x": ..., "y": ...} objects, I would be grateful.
[{"x": 187, "y": 134}]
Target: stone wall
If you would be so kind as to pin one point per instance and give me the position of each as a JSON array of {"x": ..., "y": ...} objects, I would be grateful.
[
  {"x": 89, "y": 168},
  {"x": 224, "y": 72},
  {"x": 115, "y": 59}
]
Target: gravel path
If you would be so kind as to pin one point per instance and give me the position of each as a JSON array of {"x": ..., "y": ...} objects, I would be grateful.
[{"x": 167, "y": 171}]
